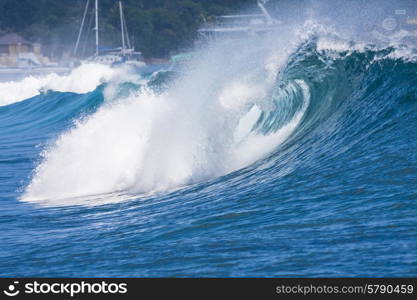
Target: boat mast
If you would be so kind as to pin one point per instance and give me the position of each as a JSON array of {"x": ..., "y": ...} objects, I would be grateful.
[
  {"x": 122, "y": 25},
  {"x": 129, "y": 46},
  {"x": 261, "y": 4},
  {"x": 96, "y": 29},
  {"x": 81, "y": 28}
]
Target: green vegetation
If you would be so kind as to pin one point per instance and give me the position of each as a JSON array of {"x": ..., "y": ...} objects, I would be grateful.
[{"x": 157, "y": 27}]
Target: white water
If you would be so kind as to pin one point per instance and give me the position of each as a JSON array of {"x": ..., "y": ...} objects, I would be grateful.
[
  {"x": 82, "y": 79},
  {"x": 197, "y": 130}
]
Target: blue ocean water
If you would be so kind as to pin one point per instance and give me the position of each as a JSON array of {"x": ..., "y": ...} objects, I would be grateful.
[{"x": 103, "y": 183}]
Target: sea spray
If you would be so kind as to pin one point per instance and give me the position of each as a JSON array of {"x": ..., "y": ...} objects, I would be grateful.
[
  {"x": 82, "y": 79},
  {"x": 234, "y": 104},
  {"x": 153, "y": 142}
]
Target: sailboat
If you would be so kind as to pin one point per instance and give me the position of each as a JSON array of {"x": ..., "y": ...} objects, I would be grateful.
[
  {"x": 105, "y": 55},
  {"x": 240, "y": 26},
  {"x": 231, "y": 28}
]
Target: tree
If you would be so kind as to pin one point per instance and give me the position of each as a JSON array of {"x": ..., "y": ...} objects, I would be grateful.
[{"x": 156, "y": 27}]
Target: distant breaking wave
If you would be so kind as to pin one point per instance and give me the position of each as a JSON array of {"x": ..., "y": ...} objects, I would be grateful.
[{"x": 80, "y": 80}]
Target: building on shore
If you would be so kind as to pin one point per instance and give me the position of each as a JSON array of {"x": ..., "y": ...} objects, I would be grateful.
[{"x": 17, "y": 52}]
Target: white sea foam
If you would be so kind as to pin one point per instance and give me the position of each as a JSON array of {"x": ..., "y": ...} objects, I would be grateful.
[
  {"x": 82, "y": 79},
  {"x": 201, "y": 128},
  {"x": 197, "y": 130},
  {"x": 255, "y": 146}
]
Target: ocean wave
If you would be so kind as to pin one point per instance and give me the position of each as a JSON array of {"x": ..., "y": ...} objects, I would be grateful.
[
  {"x": 82, "y": 79},
  {"x": 213, "y": 121}
]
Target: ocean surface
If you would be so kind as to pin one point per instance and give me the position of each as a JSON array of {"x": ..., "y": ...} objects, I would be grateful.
[{"x": 256, "y": 163}]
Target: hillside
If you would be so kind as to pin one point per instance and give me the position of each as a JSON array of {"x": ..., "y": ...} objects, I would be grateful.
[{"x": 157, "y": 27}]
